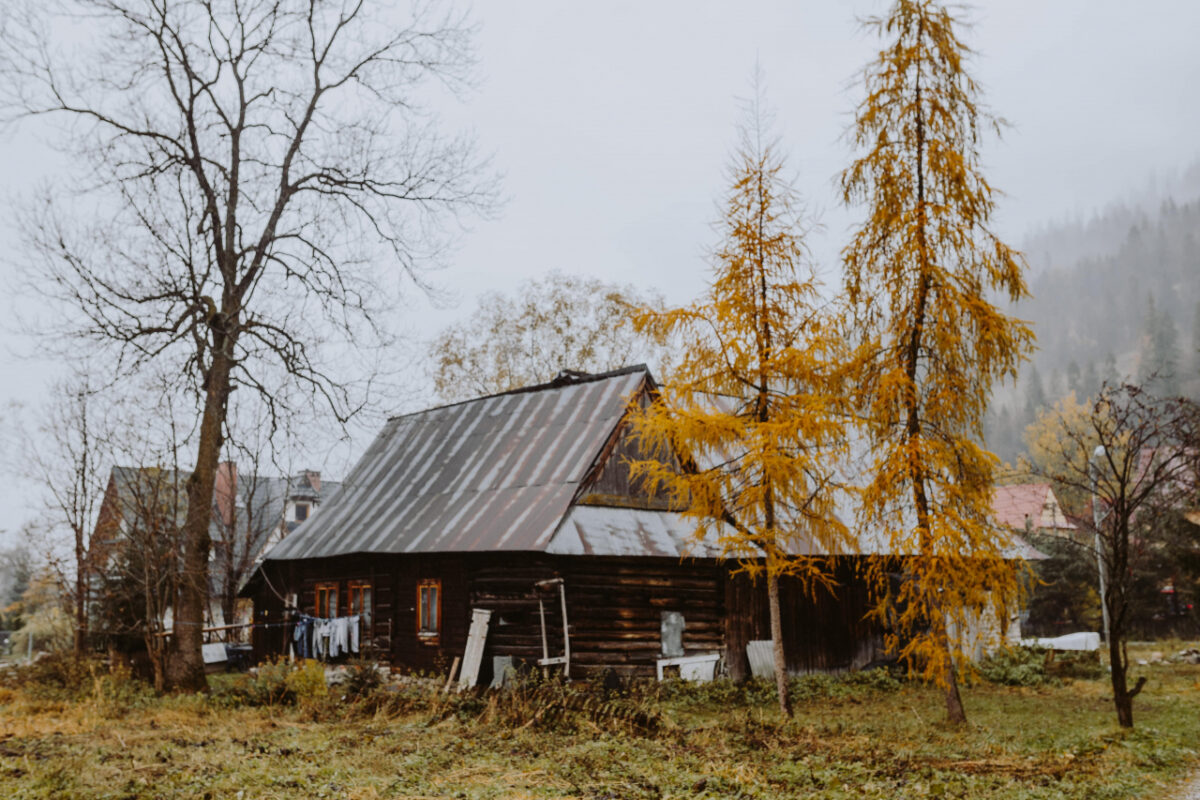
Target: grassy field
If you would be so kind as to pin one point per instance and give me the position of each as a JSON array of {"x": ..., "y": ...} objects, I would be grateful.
[{"x": 867, "y": 737}]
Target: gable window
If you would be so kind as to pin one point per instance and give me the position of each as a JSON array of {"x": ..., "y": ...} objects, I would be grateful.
[
  {"x": 301, "y": 512},
  {"x": 359, "y": 596},
  {"x": 429, "y": 609},
  {"x": 326, "y": 595}
]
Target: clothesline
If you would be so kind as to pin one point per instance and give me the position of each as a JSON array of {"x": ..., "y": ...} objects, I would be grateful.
[
  {"x": 325, "y": 637},
  {"x": 217, "y": 628}
]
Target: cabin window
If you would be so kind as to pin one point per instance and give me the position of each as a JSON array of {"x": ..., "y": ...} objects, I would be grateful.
[
  {"x": 301, "y": 512},
  {"x": 326, "y": 600},
  {"x": 429, "y": 609},
  {"x": 359, "y": 593}
]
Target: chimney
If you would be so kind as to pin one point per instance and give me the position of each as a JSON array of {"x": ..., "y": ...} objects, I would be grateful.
[
  {"x": 225, "y": 492},
  {"x": 314, "y": 479}
]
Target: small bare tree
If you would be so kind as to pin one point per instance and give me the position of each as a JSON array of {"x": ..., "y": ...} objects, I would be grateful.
[
  {"x": 138, "y": 542},
  {"x": 245, "y": 166},
  {"x": 1138, "y": 458},
  {"x": 144, "y": 578},
  {"x": 64, "y": 455}
]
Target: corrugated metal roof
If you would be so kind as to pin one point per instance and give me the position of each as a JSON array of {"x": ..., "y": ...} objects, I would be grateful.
[
  {"x": 608, "y": 531},
  {"x": 497, "y": 473}
]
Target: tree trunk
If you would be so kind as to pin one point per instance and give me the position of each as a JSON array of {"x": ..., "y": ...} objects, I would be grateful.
[
  {"x": 781, "y": 675},
  {"x": 229, "y": 602},
  {"x": 81, "y": 619},
  {"x": 155, "y": 649},
  {"x": 955, "y": 713},
  {"x": 1122, "y": 697},
  {"x": 185, "y": 663}
]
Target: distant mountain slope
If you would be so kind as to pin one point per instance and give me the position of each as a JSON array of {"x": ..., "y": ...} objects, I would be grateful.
[{"x": 1115, "y": 298}]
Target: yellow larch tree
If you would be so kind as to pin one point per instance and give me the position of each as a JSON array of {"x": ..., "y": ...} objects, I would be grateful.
[
  {"x": 918, "y": 273},
  {"x": 752, "y": 407}
]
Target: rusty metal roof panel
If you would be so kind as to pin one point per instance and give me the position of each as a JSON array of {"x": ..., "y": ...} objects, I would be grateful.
[{"x": 496, "y": 473}]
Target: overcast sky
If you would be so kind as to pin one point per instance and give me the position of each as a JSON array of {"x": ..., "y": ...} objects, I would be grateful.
[{"x": 611, "y": 123}]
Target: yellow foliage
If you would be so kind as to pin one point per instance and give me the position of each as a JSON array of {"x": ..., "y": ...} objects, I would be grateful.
[
  {"x": 1060, "y": 442},
  {"x": 753, "y": 408},
  {"x": 919, "y": 271},
  {"x": 550, "y": 324},
  {"x": 307, "y": 682}
]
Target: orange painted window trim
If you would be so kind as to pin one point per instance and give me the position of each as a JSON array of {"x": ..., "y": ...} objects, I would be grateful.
[
  {"x": 325, "y": 595},
  {"x": 354, "y": 598},
  {"x": 429, "y": 609}
]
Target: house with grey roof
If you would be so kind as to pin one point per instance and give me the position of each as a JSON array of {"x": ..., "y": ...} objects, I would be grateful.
[
  {"x": 251, "y": 513},
  {"x": 516, "y": 514}
]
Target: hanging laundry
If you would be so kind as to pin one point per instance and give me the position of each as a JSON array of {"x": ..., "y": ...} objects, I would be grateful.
[
  {"x": 320, "y": 639},
  {"x": 354, "y": 620},
  {"x": 339, "y": 636},
  {"x": 302, "y": 637}
]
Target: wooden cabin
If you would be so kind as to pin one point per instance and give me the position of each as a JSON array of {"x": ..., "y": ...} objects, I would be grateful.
[{"x": 510, "y": 503}]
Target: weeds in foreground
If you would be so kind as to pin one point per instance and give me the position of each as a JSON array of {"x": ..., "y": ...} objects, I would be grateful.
[{"x": 865, "y": 735}]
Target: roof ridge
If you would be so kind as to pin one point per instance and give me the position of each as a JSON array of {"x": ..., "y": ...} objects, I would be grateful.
[{"x": 563, "y": 379}]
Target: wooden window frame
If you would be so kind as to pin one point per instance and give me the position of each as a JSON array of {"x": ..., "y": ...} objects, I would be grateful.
[
  {"x": 354, "y": 599},
  {"x": 330, "y": 588},
  {"x": 432, "y": 634}
]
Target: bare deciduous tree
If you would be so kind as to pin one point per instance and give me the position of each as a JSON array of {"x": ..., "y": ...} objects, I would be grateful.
[
  {"x": 1138, "y": 458},
  {"x": 247, "y": 169},
  {"x": 64, "y": 454}
]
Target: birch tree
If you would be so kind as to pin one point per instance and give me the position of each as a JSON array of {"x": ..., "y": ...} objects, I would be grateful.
[
  {"x": 752, "y": 408},
  {"x": 919, "y": 272},
  {"x": 257, "y": 179}
]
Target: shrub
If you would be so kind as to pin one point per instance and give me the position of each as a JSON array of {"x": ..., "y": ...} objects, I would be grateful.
[
  {"x": 115, "y": 692},
  {"x": 410, "y": 696},
  {"x": 362, "y": 678},
  {"x": 761, "y": 691},
  {"x": 1081, "y": 664},
  {"x": 307, "y": 682},
  {"x": 1015, "y": 666},
  {"x": 557, "y": 705},
  {"x": 265, "y": 686},
  {"x": 59, "y": 675},
  {"x": 880, "y": 679},
  {"x": 719, "y": 692}
]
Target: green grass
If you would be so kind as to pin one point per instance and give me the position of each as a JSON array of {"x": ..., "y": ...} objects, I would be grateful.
[{"x": 864, "y": 738}]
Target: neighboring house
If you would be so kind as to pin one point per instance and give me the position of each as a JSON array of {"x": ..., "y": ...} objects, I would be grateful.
[
  {"x": 144, "y": 507},
  {"x": 1031, "y": 508},
  {"x": 487, "y": 504}
]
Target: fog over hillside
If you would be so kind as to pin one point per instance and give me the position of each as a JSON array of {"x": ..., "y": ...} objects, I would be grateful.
[{"x": 1116, "y": 297}]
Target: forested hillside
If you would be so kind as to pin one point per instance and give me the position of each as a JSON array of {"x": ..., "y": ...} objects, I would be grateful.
[{"x": 1116, "y": 298}]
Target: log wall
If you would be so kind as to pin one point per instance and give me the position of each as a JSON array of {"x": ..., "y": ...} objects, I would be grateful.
[{"x": 614, "y": 608}]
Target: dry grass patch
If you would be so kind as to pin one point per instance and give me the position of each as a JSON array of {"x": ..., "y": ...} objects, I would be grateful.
[{"x": 863, "y": 738}]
